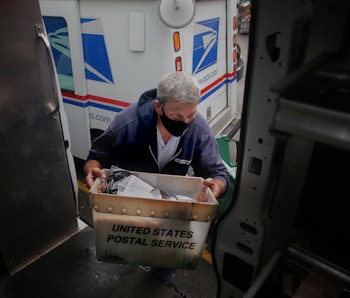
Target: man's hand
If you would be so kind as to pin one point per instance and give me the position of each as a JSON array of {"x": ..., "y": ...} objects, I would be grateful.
[
  {"x": 92, "y": 169},
  {"x": 216, "y": 186}
]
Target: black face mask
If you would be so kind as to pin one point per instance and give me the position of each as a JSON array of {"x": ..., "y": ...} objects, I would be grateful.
[{"x": 176, "y": 128}]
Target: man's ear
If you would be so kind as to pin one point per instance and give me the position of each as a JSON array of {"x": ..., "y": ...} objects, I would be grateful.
[{"x": 157, "y": 106}]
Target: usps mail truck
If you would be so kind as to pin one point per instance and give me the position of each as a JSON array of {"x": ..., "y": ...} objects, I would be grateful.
[{"x": 108, "y": 52}]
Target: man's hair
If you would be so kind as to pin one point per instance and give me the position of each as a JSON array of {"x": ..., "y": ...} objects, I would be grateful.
[{"x": 179, "y": 85}]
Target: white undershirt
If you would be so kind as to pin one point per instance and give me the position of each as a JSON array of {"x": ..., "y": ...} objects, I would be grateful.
[{"x": 166, "y": 151}]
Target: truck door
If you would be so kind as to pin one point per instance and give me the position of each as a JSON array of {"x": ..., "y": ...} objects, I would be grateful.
[
  {"x": 281, "y": 237},
  {"x": 38, "y": 178}
]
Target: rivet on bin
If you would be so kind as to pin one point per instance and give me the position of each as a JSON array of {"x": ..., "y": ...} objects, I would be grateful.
[
  {"x": 138, "y": 212},
  {"x": 152, "y": 213},
  {"x": 195, "y": 216},
  {"x": 96, "y": 207},
  {"x": 109, "y": 209},
  {"x": 208, "y": 218},
  {"x": 166, "y": 214},
  {"x": 124, "y": 211}
]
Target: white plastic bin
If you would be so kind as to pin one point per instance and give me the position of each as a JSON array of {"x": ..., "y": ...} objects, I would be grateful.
[{"x": 156, "y": 232}]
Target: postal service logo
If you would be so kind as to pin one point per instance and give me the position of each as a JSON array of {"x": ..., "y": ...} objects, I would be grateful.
[{"x": 205, "y": 44}]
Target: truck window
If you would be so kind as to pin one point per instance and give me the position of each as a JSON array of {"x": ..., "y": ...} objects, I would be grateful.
[{"x": 57, "y": 32}]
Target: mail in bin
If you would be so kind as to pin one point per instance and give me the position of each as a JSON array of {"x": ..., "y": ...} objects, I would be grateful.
[{"x": 156, "y": 232}]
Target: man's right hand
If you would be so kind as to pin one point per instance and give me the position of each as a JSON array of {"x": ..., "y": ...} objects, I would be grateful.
[{"x": 92, "y": 169}]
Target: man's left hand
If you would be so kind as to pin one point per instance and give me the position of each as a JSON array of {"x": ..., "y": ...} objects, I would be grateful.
[{"x": 216, "y": 186}]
